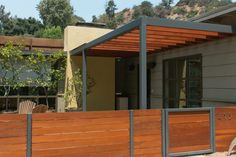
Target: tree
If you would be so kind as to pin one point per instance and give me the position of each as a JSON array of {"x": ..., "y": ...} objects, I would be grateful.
[
  {"x": 167, "y": 3},
  {"x": 145, "y": 9},
  {"x": 55, "y": 12},
  {"x": 50, "y": 32},
  {"x": 76, "y": 19},
  {"x": 215, "y": 4},
  {"x": 161, "y": 11},
  {"x": 110, "y": 13},
  {"x": 4, "y": 16},
  {"x": 17, "y": 26},
  {"x": 47, "y": 69},
  {"x": 110, "y": 9},
  {"x": 94, "y": 19},
  {"x": 74, "y": 88},
  {"x": 10, "y": 71},
  {"x": 32, "y": 25}
]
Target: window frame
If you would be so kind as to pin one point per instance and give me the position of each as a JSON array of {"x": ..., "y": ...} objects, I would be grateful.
[{"x": 177, "y": 80}]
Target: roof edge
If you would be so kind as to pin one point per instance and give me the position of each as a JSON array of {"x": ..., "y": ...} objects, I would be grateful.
[{"x": 214, "y": 13}]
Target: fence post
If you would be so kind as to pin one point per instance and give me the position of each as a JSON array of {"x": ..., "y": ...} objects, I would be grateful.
[
  {"x": 212, "y": 123},
  {"x": 29, "y": 135},
  {"x": 163, "y": 131},
  {"x": 131, "y": 132}
]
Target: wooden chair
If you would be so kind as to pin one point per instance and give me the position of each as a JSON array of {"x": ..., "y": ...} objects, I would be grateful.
[
  {"x": 231, "y": 147},
  {"x": 26, "y": 107},
  {"x": 40, "y": 109}
]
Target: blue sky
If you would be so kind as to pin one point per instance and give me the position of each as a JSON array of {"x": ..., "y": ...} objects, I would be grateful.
[{"x": 84, "y": 8}]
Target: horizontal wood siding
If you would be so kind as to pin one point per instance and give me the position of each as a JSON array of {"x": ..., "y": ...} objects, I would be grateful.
[
  {"x": 91, "y": 134},
  {"x": 225, "y": 121},
  {"x": 189, "y": 131},
  {"x": 147, "y": 133},
  {"x": 12, "y": 135},
  {"x": 219, "y": 74}
]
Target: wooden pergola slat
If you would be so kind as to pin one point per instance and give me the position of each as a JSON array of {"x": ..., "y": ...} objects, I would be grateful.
[
  {"x": 158, "y": 38},
  {"x": 178, "y": 30}
]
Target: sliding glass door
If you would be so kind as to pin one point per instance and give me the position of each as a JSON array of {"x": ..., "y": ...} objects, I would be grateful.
[{"x": 183, "y": 82}]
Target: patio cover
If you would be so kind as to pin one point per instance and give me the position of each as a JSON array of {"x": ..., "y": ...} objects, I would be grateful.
[
  {"x": 161, "y": 34},
  {"x": 145, "y": 36}
]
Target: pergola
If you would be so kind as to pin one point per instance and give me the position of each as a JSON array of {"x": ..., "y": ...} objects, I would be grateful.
[{"x": 146, "y": 36}]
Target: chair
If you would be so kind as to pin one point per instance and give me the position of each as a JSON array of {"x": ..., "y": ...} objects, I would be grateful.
[
  {"x": 40, "y": 109},
  {"x": 26, "y": 107},
  {"x": 231, "y": 147}
]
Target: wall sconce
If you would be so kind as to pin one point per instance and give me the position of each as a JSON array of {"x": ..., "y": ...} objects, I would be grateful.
[
  {"x": 151, "y": 65},
  {"x": 131, "y": 67}
]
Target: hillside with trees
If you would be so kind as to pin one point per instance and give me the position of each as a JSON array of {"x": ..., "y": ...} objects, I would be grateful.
[
  {"x": 182, "y": 10},
  {"x": 57, "y": 14}
]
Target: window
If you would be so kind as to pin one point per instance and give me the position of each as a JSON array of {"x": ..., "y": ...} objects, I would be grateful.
[{"x": 183, "y": 82}]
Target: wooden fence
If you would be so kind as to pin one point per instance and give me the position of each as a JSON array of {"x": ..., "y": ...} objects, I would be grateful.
[
  {"x": 225, "y": 126},
  {"x": 184, "y": 127},
  {"x": 13, "y": 135},
  {"x": 81, "y": 134},
  {"x": 138, "y": 133}
]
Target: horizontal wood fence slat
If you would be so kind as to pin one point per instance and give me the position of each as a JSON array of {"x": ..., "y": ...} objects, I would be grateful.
[
  {"x": 147, "y": 133},
  {"x": 225, "y": 119},
  {"x": 81, "y": 134},
  {"x": 189, "y": 131},
  {"x": 107, "y": 134},
  {"x": 13, "y": 135}
]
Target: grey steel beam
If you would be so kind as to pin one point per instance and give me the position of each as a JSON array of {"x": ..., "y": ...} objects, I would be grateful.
[
  {"x": 46, "y": 53},
  {"x": 212, "y": 121},
  {"x": 29, "y": 136},
  {"x": 167, "y": 133},
  {"x": 191, "y": 153},
  {"x": 163, "y": 132},
  {"x": 190, "y": 25},
  {"x": 126, "y": 28},
  {"x": 188, "y": 109},
  {"x": 131, "y": 132},
  {"x": 143, "y": 66},
  {"x": 84, "y": 83}
]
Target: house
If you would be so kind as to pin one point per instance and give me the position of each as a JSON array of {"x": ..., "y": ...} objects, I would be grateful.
[
  {"x": 152, "y": 63},
  {"x": 48, "y": 46},
  {"x": 187, "y": 64}
]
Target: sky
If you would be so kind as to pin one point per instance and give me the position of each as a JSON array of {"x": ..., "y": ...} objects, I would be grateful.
[{"x": 83, "y": 8}]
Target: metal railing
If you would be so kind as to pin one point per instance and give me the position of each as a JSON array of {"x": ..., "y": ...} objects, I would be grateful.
[{"x": 16, "y": 99}]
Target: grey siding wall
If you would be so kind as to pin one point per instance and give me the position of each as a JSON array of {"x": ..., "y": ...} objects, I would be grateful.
[{"x": 219, "y": 72}]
